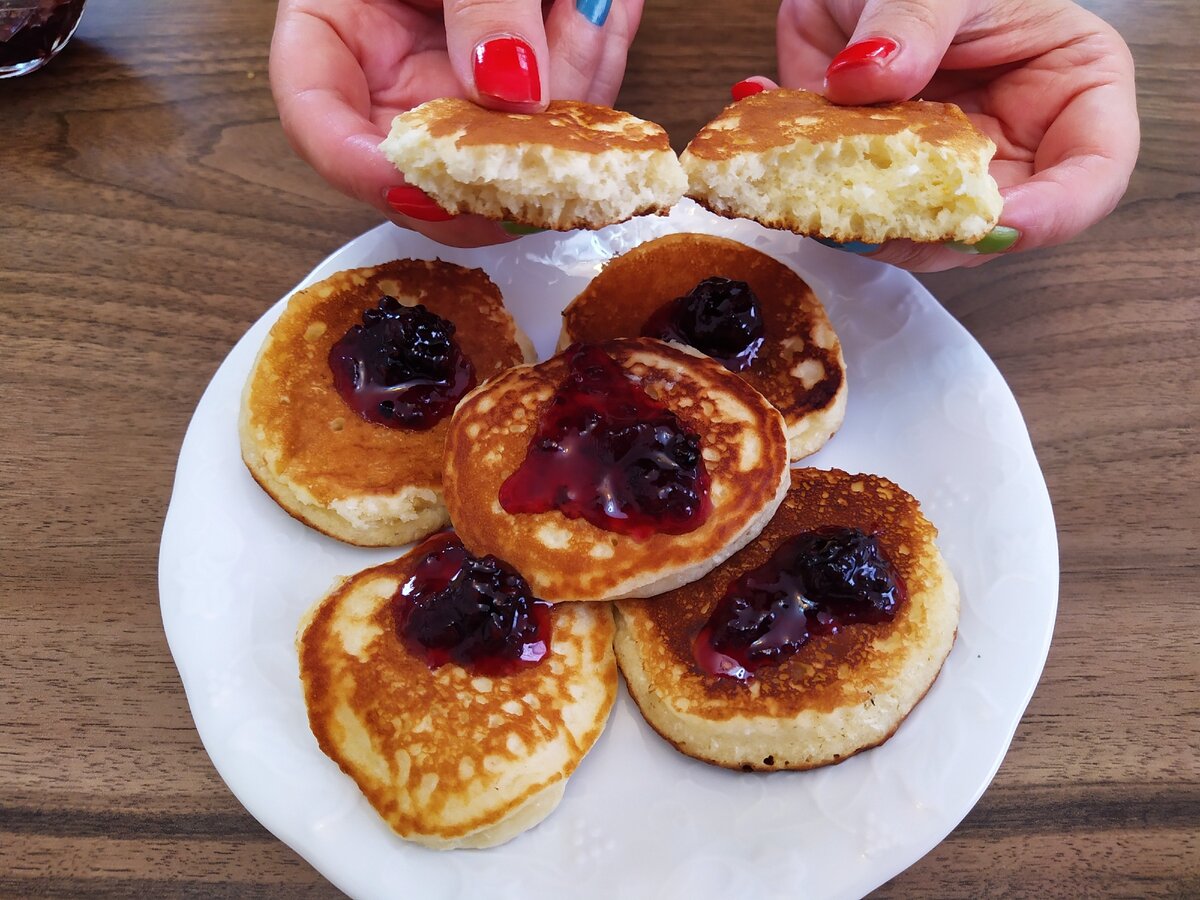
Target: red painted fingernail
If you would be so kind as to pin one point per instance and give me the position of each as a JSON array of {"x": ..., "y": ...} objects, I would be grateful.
[
  {"x": 872, "y": 50},
  {"x": 505, "y": 68},
  {"x": 416, "y": 204},
  {"x": 746, "y": 88}
]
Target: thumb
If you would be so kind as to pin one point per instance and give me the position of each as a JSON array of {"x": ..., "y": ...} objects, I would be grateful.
[
  {"x": 895, "y": 50},
  {"x": 496, "y": 50}
]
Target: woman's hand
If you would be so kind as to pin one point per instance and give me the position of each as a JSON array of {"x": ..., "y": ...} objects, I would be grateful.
[
  {"x": 1048, "y": 81},
  {"x": 341, "y": 70}
]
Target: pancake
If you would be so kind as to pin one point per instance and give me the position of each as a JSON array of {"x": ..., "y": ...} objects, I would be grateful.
[
  {"x": 450, "y": 758},
  {"x": 799, "y": 366},
  {"x": 792, "y": 160},
  {"x": 575, "y": 165},
  {"x": 840, "y": 693},
  {"x": 741, "y": 441},
  {"x": 355, "y": 480}
]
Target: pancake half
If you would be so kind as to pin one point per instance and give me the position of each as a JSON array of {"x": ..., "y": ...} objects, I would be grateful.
[
  {"x": 799, "y": 366},
  {"x": 575, "y": 165},
  {"x": 840, "y": 693},
  {"x": 355, "y": 480},
  {"x": 447, "y": 758},
  {"x": 791, "y": 159},
  {"x": 742, "y": 443}
]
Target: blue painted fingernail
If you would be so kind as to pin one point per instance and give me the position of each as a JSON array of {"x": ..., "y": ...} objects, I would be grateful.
[
  {"x": 595, "y": 11},
  {"x": 518, "y": 229},
  {"x": 848, "y": 246},
  {"x": 997, "y": 240}
]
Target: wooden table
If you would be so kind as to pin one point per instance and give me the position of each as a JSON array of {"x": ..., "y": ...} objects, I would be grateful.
[{"x": 150, "y": 210}]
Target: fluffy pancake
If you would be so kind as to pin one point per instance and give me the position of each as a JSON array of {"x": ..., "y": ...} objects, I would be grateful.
[
  {"x": 799, "y": 366},
  {"x": 791, "y": 159},
  {"x": 447, "y": 758},
  {"x": 840, "y": 693},
  {"x": 742, "y": 443},
  {"x": 575, "y": 165},
  {"x": 355, "y": 480}
]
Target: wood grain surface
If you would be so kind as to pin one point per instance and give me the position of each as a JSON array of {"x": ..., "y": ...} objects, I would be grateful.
[{"x": 150, "y": 210}]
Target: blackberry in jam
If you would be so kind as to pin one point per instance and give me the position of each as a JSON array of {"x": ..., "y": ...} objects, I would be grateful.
[
  {"x": 401, "y": 367},
  {"x": 815, "y": 583},
  {"x": 477, "y": 612},
  {"x": 607, "y": 452},
  {"x": 719, "y": 317}
]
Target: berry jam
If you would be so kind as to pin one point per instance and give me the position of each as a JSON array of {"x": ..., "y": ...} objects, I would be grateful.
[
  {"x": 815, "y": 583},
  {"x": 719, "y": 317},
  {"x": 607, "y": 452},
  {"x": 31, "y": 33},
  {"x": 476, "y": 612},
  {"x": 401, "y": 367}
]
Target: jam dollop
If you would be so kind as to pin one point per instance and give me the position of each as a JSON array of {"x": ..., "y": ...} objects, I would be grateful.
[
  {"x": 477, "y": 612},
  {"x": 401, "y": 367},
  {"x": 606, "y": 451},
  {"x": 719, "y": 317},
  {"x": 815, "y": 583}
]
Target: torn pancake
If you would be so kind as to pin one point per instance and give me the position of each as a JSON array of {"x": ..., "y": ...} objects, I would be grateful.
[
  {"x": 353, "y": 479},
  {"x": 737, "y": 437},
  {"x": 575, "y": 165},
  {"x": 798, "y": 366},
  {"x": 840, "y": 692},
  {"x": 791, "y": 159},
  {"x": 450, "y": 758}
]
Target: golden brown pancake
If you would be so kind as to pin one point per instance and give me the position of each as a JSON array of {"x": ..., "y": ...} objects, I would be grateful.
[
  {"x": 790, "y": 159},
  {"x": 799, "y": 367},
  {"x": 449, "y": 758},
  {"x": 355, "y": 480},
  {"x": 576, "y": 165},
  {"x": 742, "y": 442},
  {"x": 840, "y": 693}
]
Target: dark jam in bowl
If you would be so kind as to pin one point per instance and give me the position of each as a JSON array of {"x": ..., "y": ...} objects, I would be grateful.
[
  {"x": 401, "y": 367},
  {"x": 815, "y": 583},
  {"x": 477, "y": 612},
  {"x": 32, "y": 32},
  {"x": 719, "y": 317},
  {"x": 607, "y": 452}
]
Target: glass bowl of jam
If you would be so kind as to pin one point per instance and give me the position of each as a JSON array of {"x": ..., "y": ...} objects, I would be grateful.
[{"x": 33, "y": 31}]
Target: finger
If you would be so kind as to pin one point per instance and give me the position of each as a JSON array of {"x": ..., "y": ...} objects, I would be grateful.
[
  {"x": 807, "y": 37},
  {"x": 498, "y": 51},
  {"x": 324, "y": 105},
  {"x": 755, "y": 84},
  {"x": 620, "y": 28},
  {"x": 895, "y": 50},
  {"x": 588, "y": 44},
  {"x": 1082, "y": 167}
]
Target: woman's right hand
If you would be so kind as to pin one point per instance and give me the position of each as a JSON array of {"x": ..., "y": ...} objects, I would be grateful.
[{"x": 341, "y": 70}]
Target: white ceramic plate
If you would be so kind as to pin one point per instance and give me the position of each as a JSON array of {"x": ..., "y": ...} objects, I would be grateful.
[{"x": 927, "y": 409}]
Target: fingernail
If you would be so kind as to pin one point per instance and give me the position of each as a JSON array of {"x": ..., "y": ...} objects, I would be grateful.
[
  {"x": 997, "y": 240},
  {"x": 871, "y": 50},
  {"x": 848, "y": 246},
  {"x": 519, "y": 228},
  {"x": 416, "y": 204},
  {"x": 506, "y": 69},
  {"x": 595, "y": 11},
  {"x": 746, "y": 88}
]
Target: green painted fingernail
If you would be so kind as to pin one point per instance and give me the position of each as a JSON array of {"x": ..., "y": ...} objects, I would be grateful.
[
  {"x": 997, "y": 240},
  {"x": 518, "y": 228}
]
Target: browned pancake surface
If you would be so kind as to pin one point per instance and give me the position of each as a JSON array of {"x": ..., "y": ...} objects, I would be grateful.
[
  {"x": 832, "y": 677},
  {"x": 742, "y": 441},
  {"x": 566, "y": 125},
  {"x": 314, "y": 438},
  {"x": 777, "y": 118},
  {"x": 445, "y": 754},
  {"x": 799, "y": 367}
]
